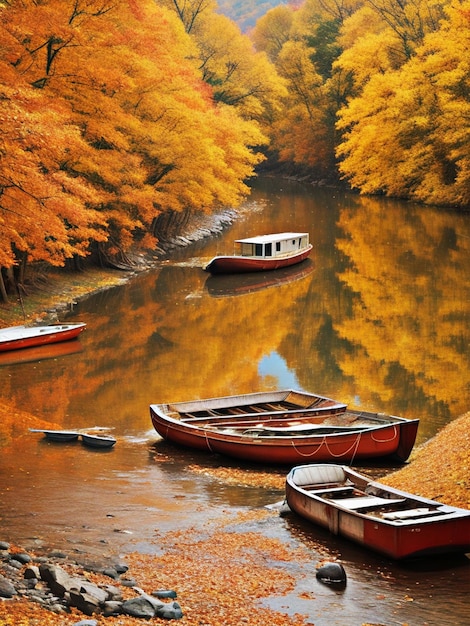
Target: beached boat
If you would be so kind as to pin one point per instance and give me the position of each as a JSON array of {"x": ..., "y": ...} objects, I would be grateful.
[
  {"x": 264, "y": 252},
  {"x": 98, "y": 441},
  {"x": 395, "y": 523},
  {"x": 60, "y": 436},
  {"x": 283, "y": 427},
  {"x": 17, "y": 337}
]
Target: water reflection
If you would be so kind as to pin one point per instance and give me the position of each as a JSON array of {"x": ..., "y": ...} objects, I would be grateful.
[
  {"x": 378, "y": 318},
  {"x": 381, "y": 321}
]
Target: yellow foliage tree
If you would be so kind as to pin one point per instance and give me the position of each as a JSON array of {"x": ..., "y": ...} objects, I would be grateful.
[{"x": 407, "y": 134}]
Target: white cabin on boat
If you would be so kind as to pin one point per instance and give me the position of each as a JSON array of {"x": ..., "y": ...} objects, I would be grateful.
[{"x": 272, "y": 246}]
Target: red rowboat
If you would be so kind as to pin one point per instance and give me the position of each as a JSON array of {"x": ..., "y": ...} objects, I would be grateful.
[
  {"x": 264, "y": 252},
  {"x": 16, "y": 337},
  {"x": 395, "y": 523},
  {"x": 284, "y": 427}
]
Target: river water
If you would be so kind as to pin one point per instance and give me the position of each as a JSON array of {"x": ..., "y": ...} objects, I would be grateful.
[{"x": 378, "y": 318}]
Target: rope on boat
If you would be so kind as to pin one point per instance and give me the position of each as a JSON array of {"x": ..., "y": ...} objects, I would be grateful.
[
  {"x": 394, "y": 436},
  {"x": 354, "y": 446}
]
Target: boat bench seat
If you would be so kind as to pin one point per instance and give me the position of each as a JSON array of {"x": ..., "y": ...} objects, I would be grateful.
[
  {"x": 410, "y": 514},
  {"x": 366, "y": 502},
  {"x": 318, "y": 475}
]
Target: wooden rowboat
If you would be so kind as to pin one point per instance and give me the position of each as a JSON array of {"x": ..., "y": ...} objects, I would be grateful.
[
  {"x": 88, "y": 439},
  {"x": 17, "y": 337},
  {"x": 284, "y": 427},
  {"x": 98, "y": 441},
  {"x": 61, "y": 436},
  {"x": 264, "y": 252},
  {"x": 395, "y": 523}
]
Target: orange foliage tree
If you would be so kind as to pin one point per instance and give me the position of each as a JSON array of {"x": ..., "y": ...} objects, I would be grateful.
[{"x": 106, "y": 122}]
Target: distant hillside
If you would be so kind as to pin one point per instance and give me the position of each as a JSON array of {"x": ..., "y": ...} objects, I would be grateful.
[{"x": 246, "y": 12}]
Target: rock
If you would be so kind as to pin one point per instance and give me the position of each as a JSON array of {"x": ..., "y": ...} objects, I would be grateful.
[
  {"x": 58, "y": 580},
  {"x": 7, "y": 589},
  {"x": 164, "y": 593},
  {"x": 138, "y": 607},
  {"x": 85, "y": 602},
  {"x": 332, "y": 573},
  {"x": 111, "y": 607},
  {"x": 86, "y": 622},
  {"x": 4, "y": 545},
  {"x": 111, "y": 572},
  {"x": 169, "y": 611},
  {"x": 22, "y": 558},
  {"x": 112, "y": 593},
  {"x": 32, "y": 572},
  {"x": 121, "y": 568}
]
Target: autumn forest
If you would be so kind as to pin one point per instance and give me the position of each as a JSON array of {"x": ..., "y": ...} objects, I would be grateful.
[{"x": 114, "y": 113}]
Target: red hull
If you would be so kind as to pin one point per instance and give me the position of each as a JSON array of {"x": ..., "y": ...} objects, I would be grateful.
[
  {"x": 421, "y": 527},
  {"x": 240, "y": 264},
  {"x": 17, "y": 338},
  {"x": 278, "y": 439}
]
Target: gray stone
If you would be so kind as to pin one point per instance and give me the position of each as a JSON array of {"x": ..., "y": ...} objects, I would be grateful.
[
  {"x": 112, "y": 607},
  {"x": 7, "y": 590},
  {"x": 138, "y": 607},
  {"x": 22, "y": 557},
  {"x": 32, "y": 571},
  {"x": 332, "y": 573},
  {"x": 169, "y": 611}
]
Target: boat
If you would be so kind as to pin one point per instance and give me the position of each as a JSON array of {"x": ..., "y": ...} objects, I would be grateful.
[
  {"x": 281, "y": 427},
  {"x": 17, "y": 337},
  {"x": 263, "y": 252},
  {"x": 98, "y": 441},
  {"x": 61, "y": 436},
  {"x": 394, "y": 523}
]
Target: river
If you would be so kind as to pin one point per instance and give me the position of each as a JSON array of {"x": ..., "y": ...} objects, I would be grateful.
[{"x": 378, "y": 318}]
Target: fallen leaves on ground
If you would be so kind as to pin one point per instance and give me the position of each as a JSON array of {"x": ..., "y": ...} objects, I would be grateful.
[
  {"x": 440, "y": 468},
  {"x": 220, "y": 579}
]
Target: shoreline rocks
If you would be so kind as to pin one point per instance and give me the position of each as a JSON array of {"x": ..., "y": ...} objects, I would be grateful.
[{"x": 44, "y": 580}]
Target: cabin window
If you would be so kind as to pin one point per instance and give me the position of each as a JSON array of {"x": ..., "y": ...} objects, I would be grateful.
[
  {"x": 278, "y": 246},
  {"x": 268, "y": 249},
  {"x": 259, "y": 249}
]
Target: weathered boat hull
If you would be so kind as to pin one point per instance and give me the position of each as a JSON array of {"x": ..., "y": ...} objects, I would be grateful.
[
  {"x": 421, "y": 527},
  {"x": 305, "y": 434},
  {"x": 97, "y": 441},
  {"x": 19, "y": 337},
  {"x": 59, "y": 436},
  {"x": 240, "y": 264}
]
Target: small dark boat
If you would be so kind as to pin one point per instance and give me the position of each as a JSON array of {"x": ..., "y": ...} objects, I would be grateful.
[
  {"x": 61, "y": 436},
  {"x": 98, "y": 441},
  {"x": 283, "y": 427},
  {"x": 18, "y": 337},
  {"x": 264, "y": 252},
  {"x": 395, "y": 523}
]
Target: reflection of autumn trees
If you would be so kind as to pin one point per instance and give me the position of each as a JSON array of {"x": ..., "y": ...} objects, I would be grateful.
[{"x": 407, "y": 328}]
